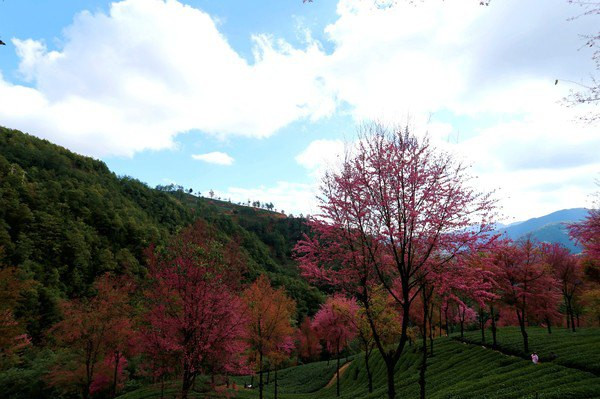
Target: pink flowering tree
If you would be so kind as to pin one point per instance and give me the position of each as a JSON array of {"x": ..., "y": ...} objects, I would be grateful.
[
  {"x": 193, "y": 310},
  {"x": 587, "y": 232},
  {"x": 395, "y": 208},
  {"x": 334, "y": 323},
  {"x": 568, "y": 270},
  {"x": 308, "y": 345},
  {"x": 523, "y": 280}
]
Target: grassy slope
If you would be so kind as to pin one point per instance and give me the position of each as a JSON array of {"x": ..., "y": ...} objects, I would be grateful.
[
  {"x": 579, "y": 350},
  {"x": 458, "y": 370}
]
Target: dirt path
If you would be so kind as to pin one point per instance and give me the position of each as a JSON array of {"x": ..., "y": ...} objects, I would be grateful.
[{"x": 342, "y": 370}]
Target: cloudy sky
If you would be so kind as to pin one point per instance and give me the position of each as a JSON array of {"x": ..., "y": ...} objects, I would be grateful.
[{"x": 253, "y": 99}]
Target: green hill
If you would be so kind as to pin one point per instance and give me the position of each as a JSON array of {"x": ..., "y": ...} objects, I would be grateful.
[
  {"x": 66, "y": 219},
  {"x": 457, "y": 370}
]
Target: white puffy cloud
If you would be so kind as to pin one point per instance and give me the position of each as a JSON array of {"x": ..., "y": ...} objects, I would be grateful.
[
  {"x": 216, "y": 157},
  {"x": 132, "y": 79},
  {"x": 321, "y": 155}
]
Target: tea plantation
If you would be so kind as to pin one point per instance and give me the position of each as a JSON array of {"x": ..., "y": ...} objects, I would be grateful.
[
  {"x": 580, "y": 349},
  {"x": 457, "y": 370}
]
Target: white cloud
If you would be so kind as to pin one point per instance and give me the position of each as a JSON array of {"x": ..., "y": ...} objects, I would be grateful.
[
  {"x": 321, "y": 155},
  {"x": 294, "y": 198},
  {"x": 150, "y": 69},
  {"x": 216, "y": 157}
]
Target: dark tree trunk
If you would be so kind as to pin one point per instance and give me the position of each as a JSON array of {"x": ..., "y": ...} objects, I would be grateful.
[
  {"x": 461, "y": 316},
  {"x": 521, "y": 318},
  {"x": 162, "y": 386},
  {"x": 446, "y": 318},
  {"x": 423, "y": 368},
  {"x": 114, "y": 383},
  {"x": 431, "y": 330},
  {"x": 369, "y": 375},
  {"x": 337, "y": 372},
  {"x": 440, "y": 324},
  {"x": 570, "y": 312},
  {"x": 548, "y": 325},
  {"x": 187, "y": 380},
  {"x": 390, "y": 380},
  {"x": 493, "y": 316},
  {"x": 260, "y": 376},
  {"x": 482, "y": 326}
]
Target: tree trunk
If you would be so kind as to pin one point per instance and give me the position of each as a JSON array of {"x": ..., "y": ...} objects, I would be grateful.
[
  {"x": 431, "y": 329},
  {"x": 424, "y": 359},
  {"x": 523, "y": 331},
  {"x": 494, "y": 343},
  {"x": 570, "y": 311},
  {"x": 187, "y": 380},
  {"x": 567, "y": 312},
  {"x": 461, "y": 316},
  {"x": 275, "y": 383},
  {"x": 337, "y": 378},
  {"x": 548, "y": 325},
  {"x": 446, "y": 318},
  {"x": 369, "y": 375},
  {"x": 482, "y": 326},
  {"x": 390, "y": 380},
  {"x": 260, "y": 377},
  {"x": 162, "y": 386},
  {"x": 114, "y": 384},
  {"x": 440, "y": 320}
]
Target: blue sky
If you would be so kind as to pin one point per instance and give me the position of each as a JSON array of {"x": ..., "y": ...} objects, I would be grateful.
[{"x": 253, "y": 99}]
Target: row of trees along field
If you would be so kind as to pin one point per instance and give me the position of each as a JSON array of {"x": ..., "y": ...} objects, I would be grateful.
[
  {"x": 404, "y": 246},
  {"x": 400, "y": 217}
]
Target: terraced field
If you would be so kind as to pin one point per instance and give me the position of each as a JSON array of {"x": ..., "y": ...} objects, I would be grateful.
[
  {"x": 458, "y": 370},
  {"x": 579, "y": 349}
]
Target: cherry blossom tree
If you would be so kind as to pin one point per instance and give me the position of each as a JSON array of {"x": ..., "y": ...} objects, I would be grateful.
[
  {"x": 568, "y": 270},
  {"x": 587, "y": 233},
  {"x": 194, "y": 312},
  {"x": 394, "y": 206},
  {"x": 308, "y": 341},
  {"x": 523, "y": 280},
  {"x": 335, "y": 325}
]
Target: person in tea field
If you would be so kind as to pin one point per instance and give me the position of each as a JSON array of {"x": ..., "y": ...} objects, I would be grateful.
[{"x": 534, "y": 358}]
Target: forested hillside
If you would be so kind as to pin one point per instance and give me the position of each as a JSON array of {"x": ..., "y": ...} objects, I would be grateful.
[{"x": 66, "y": 219}]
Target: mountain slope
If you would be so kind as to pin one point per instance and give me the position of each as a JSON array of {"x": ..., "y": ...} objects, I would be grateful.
[
  {"x": 548, "y": 228},
  {"x": 65, "y": 219}
]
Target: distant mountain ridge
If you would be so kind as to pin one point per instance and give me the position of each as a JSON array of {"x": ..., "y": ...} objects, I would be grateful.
[{"x": 548, "y": 228}]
